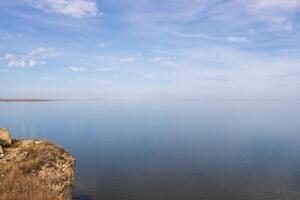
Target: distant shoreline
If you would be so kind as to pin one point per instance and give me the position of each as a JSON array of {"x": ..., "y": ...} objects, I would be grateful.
[{"x": 27, "y": 100}]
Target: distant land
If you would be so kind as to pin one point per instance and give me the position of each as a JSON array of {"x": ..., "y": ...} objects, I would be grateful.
[{"x": 26, "y": 100}]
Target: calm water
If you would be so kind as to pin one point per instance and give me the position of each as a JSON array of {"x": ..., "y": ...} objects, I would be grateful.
[{"x": 171, "y": 150}]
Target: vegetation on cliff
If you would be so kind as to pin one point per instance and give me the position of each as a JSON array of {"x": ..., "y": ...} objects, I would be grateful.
[{"x": 31, "y": 169}]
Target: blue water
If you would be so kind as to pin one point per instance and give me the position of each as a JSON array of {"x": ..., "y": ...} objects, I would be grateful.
[{"x": 234, "y": 149}]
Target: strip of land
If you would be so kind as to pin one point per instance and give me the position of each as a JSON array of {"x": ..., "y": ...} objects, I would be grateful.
[{"x": 26, "y": 100}]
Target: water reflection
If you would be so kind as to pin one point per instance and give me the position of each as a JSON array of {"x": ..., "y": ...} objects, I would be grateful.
[
  {"x": 82, "y": 198},
  {"x": 171, "y": 149}
]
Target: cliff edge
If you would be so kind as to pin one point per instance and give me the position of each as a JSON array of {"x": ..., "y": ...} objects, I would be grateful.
[{"x": 35, "y": 169}]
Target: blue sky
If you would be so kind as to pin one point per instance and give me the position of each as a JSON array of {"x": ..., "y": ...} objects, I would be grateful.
[{"x": 149, "y": 48}]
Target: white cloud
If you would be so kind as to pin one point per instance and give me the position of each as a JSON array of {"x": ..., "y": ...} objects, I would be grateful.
[
  {"x": 236, "y": 39},
  {"x": 76, "y": 69},
  {"x": 74, "y": 8},
  {"x": 35, "y": 57}
]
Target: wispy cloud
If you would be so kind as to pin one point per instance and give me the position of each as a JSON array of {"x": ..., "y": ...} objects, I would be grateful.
[
  {"x": 106, "y": 69},
  {"x": 130, "y": 59},
  {"x": 234, "y": 39},
  {"x": 194, "y": 35},
  {"x": 74, "y": 8},
  {"x": 35, "y": 57},
  {"x": 4, "y": 35},
  {"x": 177, "y": 10},
  {"x": 76, "y": 69},
  {"x": 237, "y": 39},
  {"x": 161, "y": 58},
  {"x": 276, "y": 13}
]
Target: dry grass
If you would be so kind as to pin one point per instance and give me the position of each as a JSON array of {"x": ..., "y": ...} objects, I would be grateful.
[
  {"x": 15, "y": 185},
  {"x": 19, "y": 180}
]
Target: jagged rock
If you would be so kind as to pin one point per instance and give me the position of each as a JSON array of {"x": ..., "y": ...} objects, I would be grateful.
[
  {"x": 45, "y": 161},
  {"x": 5, "y": 138}
]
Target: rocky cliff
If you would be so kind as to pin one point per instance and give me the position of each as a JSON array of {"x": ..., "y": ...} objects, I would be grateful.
[{"x": 34, "y": 169}]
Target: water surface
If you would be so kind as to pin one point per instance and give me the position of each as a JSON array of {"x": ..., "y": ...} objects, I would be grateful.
[{"x": 160, "y": 150}]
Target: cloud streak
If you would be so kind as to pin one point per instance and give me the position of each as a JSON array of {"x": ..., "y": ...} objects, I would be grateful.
[
  {"x": 33, "y": 58},
  {"x": 275, "y": 13},
  {"x": 237, "y": 39},
  {"x": 130, "y": 59},
  {"x": 73, "y": 8},
  {"x": 233, "y": 39},
  {"x": 76, "y": 69}
]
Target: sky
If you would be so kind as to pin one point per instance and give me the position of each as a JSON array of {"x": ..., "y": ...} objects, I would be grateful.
[{"x": 149, "y": 48}]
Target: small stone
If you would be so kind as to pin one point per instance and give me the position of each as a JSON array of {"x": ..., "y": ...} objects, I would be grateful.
[{"x": 5, "y": 138}]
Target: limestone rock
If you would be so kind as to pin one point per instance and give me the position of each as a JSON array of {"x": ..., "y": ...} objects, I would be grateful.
[
  {"x": 44, "y": 160},
  {"x": 5, "y": 138},
  {"x": 1, "y": 150}
]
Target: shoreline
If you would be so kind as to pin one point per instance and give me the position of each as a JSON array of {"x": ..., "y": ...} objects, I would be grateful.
[{"x": 27, "y": 100}]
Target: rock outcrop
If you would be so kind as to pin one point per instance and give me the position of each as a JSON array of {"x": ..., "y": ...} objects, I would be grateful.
[
  {"x": 5, "y": 138},
  {"x": 49, "y": 164}
]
